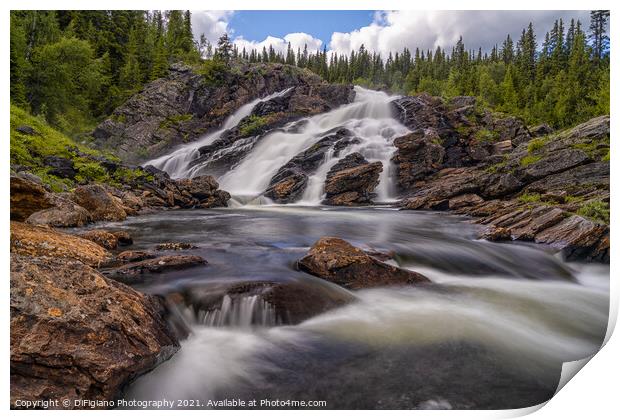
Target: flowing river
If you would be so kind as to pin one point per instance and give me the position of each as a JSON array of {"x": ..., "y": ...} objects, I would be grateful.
[{"x": 492, "y": 331}]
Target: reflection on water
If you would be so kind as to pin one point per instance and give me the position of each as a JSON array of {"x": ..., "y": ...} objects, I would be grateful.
[{"x": 491, "y": 332}]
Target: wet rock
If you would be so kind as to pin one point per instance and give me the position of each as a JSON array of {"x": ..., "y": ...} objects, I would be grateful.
[
  {"x": 27, "y": 197},
  {"x": 101, "y": 237},
  {"x": 496, "y": 234},
  {"x": 287, "y": 189},
  {"x": 351, "y": 181},
  {"x": 133, "y": 256},
  {"x": 418, "y": 155},
  {"x": 133, "y": 272},
  {"x": 99, "y": 203},
  {"x": 174, "y": 246},
  {"x": 123, "y": 237},
  {"x": 338, "y": 261},
  {"x": 200, "y": 187},
  {"x": 292, "y": 302},
  {"x": 43, "y": 241},
  {"x": 218, "y": 199},
  {"x": 289, "y": 183},
  {"x": 77, "y": 335}
]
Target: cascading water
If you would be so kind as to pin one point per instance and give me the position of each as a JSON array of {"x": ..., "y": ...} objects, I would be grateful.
[
  {"x": 177, "y": 163},
  {"x": 242, "y": 312},
  {"x": 369, "y": 118}
]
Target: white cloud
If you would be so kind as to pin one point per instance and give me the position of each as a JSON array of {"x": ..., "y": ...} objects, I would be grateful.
[
  {"x": 211, "y": 23},
  {"x": 392, "y": 31},
  {"x": 297, "y": 40}
]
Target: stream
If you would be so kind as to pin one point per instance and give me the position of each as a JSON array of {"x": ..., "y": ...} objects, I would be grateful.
[{"x": 491, "y": 332}]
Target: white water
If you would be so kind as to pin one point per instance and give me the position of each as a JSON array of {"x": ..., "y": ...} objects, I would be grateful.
[
  {"x": 176, "y": 164},
  {"x": 369, "y": 117},
  {"x": 535, "y": 325}
]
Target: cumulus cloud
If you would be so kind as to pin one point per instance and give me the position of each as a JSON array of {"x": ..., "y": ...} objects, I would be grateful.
[
  {"x": 297, "y": 40},
  {"x": 211, "y": 23},
  {"x": 394, "y": 30}
]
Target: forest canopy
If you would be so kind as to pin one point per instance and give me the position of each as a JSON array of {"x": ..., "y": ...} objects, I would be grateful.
[{"x": 74, "y": 67}]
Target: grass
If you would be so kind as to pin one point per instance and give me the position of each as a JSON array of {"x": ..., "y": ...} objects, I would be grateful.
[
  {"x": 597, "y": 211},
  {"x": 536, "y": 144},
  {"x": 595, "y": 150},
  {"x": 529, "y": 159},
  {"x": 529, "y": 198},
  {"x": 30, "y": 151},
  {"x": 606, "y": 157}
]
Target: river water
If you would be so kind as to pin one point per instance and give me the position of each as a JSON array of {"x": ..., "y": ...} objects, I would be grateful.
[{"x": 492, "y": 331}]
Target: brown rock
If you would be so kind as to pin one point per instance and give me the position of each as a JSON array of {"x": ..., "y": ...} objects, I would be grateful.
[
  {"x": 78, "y": 335},
  {"x": 133, "y": 271},
  {"x": 101, "y": 237},
  {"x": 175, "y": 246},
  {"x": 101, "y": 204},
  {"x": 572, "y": 232},
  {"x": 464, "y": 200},
  {"x": 123, "y": 237},
  {"x": 351, "y": 181},
  {"x": 37, "y": 241},
  {"x": 27, "y": 197},
  {"x": 338, "y": 261},
  {"x": 497, "y": 233},
  {"x": 132, "y": 256},
  {"x": 65, "y": 213}
]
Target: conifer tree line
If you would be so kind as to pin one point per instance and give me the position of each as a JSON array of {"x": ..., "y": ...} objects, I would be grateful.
[
  {"x": 75, "y": 67},
  {"x": 562, "y": 80}
]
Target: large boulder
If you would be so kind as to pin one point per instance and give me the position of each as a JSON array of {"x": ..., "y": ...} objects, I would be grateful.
[
  {"x": 289, "y": 183},
  {"x": 76, "y": 335},
  {"x": 418, "y": 155},
  {"x": 43, "y": 241},
  {"x": 65, "y": 213},
  {"x": 351, "y": 181},
  {"x": 100, "y": 204},
  {"x": 338, "y": 261},
  {"x": 27, "y": 197}
]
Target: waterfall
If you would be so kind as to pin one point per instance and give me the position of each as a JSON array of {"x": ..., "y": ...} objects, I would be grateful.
[
  {"x": 177, "y": 162},
  {"x": 242, "y": 312},
  {"x": 369, "y": 118}
]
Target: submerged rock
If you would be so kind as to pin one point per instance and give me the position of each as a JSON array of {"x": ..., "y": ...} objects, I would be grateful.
[
  {"x": 133, "y": 271},
  {"x": 264, "y": 303},
  {"x": 77, "y": 335},
  {"x": 338, "y": 261},
  {"x": 41, "y": 241},
  {"x": 351, "y": 181},
  {"x": 176, "y": 246}
]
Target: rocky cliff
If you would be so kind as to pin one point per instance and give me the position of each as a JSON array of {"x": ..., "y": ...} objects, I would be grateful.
[
  {"x": 185, "y": 104},
  {"x": 526, "y": 184}
]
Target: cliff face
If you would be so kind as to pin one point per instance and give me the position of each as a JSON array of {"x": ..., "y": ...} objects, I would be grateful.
[
  {"x": 526, "y": 184},
  {"x": 185, "y": 105}
]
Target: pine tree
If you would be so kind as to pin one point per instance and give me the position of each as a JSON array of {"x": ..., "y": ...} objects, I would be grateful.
[{"x": 598, "y": 33}]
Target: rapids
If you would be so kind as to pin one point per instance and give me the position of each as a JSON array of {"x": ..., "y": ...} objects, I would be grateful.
[{"x": 491, "y": 332}]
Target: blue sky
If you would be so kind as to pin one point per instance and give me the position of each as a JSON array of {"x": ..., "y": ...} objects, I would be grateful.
[
  {"x": 381, "y": 31},
  {"x": 258, "y": 24}
]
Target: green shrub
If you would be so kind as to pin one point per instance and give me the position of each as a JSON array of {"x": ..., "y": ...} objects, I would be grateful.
[
  {"x": 486, "y": 136},
  {"x": 536, "y": 144},
  {"x": 595, "y": 210},
  {"x": 90, "y": 171},
  {"x": 252, "y": 125},
  {"x": 606, "y": 157},
  {"x": 214, "y": 72}
]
